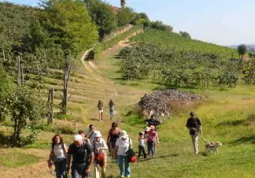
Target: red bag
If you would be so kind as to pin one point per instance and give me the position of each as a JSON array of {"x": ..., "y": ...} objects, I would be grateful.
[
  {"x": 132, "y": 159},
  {"x": 100, "y": 159}
]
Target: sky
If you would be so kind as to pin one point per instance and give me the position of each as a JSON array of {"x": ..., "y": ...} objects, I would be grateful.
[{"x": 223, "y": 22}]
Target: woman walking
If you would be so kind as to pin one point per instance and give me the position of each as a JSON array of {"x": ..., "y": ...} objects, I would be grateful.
[
  {"x": 57, "y": 156},
  {"x": 111, "y": 109},
  {"x": 99, "y": 147},
  {"x": 113, "y": 135},
  {"x": 122, "y": 145},
  {"x": 100, "y": 108}
]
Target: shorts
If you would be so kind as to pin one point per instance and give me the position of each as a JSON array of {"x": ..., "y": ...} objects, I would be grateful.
[{"x": 101, "y": 111}]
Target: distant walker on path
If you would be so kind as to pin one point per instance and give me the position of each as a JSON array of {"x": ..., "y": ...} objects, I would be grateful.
[
  {"x": 194, "y": 126},
  {"x": 100, "y": 108}
]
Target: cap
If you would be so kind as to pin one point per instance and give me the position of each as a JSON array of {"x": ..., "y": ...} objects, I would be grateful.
[{"x": 77, "y": 137}]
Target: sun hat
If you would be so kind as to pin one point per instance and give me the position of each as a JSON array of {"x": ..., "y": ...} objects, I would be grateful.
[
  {"x": 123, "y": 134},
  {"x": 77, "y": 138},
  {"x": 98, "y": 134}
]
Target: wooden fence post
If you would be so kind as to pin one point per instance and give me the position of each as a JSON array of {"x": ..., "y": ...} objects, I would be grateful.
[{"x": 50, "y": 106}]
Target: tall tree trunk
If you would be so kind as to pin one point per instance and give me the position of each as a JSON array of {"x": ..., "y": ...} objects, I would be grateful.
[
  {"x": 19, "y": 71},
  {"x": 50, "y": 106},
  {"x": 65, "y": 90}
]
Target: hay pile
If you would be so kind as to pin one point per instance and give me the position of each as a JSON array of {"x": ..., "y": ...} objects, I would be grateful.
[{"x": 163, "y": 102}]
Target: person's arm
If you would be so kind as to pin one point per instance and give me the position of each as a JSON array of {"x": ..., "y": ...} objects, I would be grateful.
[
  {"x": 68, "y": 157},
  {"x": 117, "y": 147},
  {"x": 188, "y": 124},
  {"x": 105, "y": 147},
  {"x": 91, "y": 158},
  {"x": 130, "y": 143},
  {"x": 50, "y": 158}
]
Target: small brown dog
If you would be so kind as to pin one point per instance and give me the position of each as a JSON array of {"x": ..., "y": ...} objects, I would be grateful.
[{"x": 212, "y": 147}]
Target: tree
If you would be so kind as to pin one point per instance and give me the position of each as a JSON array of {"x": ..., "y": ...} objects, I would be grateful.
[
  {"x": 185, "y": 34},
  {"x": 125, "y": 16},
  {"x": 241, "y": 49},
  {"x": 24, "y": 107},
  {"x": 70, "y": 25},
  {"x": 103, "y": 15}
]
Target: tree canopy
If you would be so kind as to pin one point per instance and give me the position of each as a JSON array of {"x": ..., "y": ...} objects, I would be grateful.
[
  {"x": 70, "y": 25},
  {"x": 103, "y": 15}
]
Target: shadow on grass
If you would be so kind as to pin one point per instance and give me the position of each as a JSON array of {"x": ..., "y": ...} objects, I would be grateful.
[
  {"x": 249, "y": 139},
  {"x": 170, "y": 155},
  {"x": 231, "y": 123},
  {"x": 250, "y": 119}
]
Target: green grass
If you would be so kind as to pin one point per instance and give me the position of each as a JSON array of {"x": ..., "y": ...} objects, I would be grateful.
[
  {"x": 228, "y": 117},
  {"x": 16, "y": 159}
]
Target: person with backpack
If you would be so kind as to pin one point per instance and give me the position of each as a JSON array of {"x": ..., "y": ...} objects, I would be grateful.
[
  {"x": 58, "y": 156},
  {"x": 100, "y": 108},
  {"x": 141, "y": 145},
  {"x": 123, "y": 144},
  {"x": 194, "y": 126},
  {"x": 82, "y": 157},
  {"x": 99, "y": 147},
  {"x": 111, "y": 109},
  {"x": 113, "y": 135}
]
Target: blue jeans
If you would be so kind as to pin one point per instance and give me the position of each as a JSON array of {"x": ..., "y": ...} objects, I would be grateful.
[
  {"x": 124, "y": 160},
  {"x": 151, "y": 147},
  {"x": 60, "y": 168},
  {"x": 78, "y": 171}
]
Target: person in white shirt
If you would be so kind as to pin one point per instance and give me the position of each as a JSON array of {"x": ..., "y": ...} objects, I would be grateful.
[
  {"x": 57, "y": 156},
  {"x": 122, "y": 145},
  {"x": 99, "y": 147},
  {"x": 91, "y": 133},
  {"x": 141, "y": 145}
]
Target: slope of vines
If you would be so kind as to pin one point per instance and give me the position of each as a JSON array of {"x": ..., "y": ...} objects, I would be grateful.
[
  {"x": 175, "y": 42},
  {"x": 173, "y": 60}
]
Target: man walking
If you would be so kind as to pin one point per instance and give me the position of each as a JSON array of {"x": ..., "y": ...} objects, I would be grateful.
[
  {"x": 194, "y": 126},
  {"x": 82, "y": 157}
]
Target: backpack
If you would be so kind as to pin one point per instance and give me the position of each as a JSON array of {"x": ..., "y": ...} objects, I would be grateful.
[
  {"x": 131, "y": 154},
  {"x": 56, "y": 159}
]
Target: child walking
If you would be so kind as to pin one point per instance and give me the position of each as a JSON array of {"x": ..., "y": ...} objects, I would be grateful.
[{"x": 141, "y": 145}]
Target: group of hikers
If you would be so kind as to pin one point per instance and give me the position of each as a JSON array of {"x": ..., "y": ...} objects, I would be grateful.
[{"x": 90, "y": 148}]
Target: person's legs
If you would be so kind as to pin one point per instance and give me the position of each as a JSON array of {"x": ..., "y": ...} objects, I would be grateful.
[
  {"x": 143, "y": 150},
  {"x": 195, "y": 143},
  {"x": 58, "y": 169},
  {"x": 120, "y": 162},
  {"x": 102, "y": 115},
  {"x": 103, "y": 167},
  {"x": 127, "y": 167},
  {"x": 96, "y": 170},
  {"x": 75, "y": 173},
  {"x": 152, "y": 148},
  {"x": 99, "y": 115},
  {"x": 139, "y": 151},
  {"x": 63, "y": 168}
]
